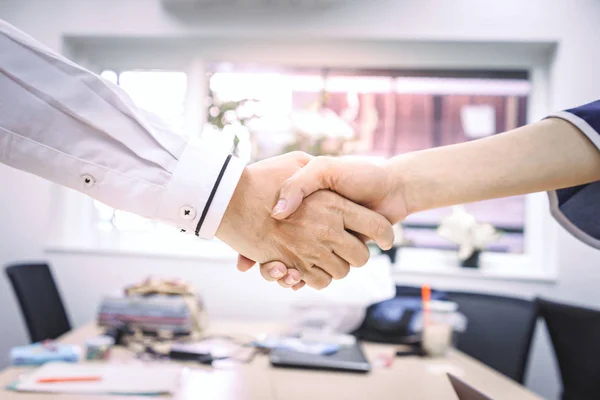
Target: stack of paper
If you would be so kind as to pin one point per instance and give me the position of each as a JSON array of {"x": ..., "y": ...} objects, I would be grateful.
[{"x": 159, "y": 312}]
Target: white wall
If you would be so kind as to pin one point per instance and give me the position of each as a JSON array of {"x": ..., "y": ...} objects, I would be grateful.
[
  {"x": 23, "y": 218},
  {"x": 573, "y": 79}
]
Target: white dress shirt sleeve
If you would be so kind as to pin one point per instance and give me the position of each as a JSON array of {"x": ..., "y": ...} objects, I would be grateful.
[{"x": 66, "y": 124}]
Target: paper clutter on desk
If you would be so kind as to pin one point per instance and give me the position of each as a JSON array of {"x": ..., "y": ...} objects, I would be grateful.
[
  {"x": 297, "y": 344},
  {"x": 115, "y": 379},
  {"x": 98, "y": 347},
  {"x": 41, "y": 353}
]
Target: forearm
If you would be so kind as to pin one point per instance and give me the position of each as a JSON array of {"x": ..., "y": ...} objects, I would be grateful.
[
  {"x": 66, "y": 124},
  {"x": 547, "y": 155}
]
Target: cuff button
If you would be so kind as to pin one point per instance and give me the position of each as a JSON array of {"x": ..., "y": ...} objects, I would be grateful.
[
  {"x": 87, "y": 180},
  {"x": 187, "y": 212}
]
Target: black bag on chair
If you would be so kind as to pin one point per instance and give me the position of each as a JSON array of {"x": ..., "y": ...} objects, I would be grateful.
[{"x": 391, "y": 321}]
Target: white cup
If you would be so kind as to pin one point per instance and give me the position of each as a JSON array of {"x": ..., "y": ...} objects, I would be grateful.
[{"x": 438, "y": 327}]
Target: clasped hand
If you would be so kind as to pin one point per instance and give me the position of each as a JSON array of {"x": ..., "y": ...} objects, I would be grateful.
[{"x": 319, "y": 242}]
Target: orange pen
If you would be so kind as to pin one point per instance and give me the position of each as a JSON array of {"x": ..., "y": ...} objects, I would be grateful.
[{"x": 70, "y": 379}]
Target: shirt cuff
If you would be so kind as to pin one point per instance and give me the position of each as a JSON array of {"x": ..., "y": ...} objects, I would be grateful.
[
  {"x": 200, "y": 189},
  {"x": 569, "y": 221},
  {"x": 580, "y": 124},
  {"x": 574, "y": 208},
  {"x": 223, "y": 193}
]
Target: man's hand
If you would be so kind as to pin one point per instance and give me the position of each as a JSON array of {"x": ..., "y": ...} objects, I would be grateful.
[
  {"x": 363, "y": 180},
  {"x": 315, "y": 240}
]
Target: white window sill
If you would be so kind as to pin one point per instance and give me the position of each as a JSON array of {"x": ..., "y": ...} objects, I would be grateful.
[
  {"x": 135, "y": 244},
  {"x": 493, "y": 266},
  {"x": 440, "y": 263}
]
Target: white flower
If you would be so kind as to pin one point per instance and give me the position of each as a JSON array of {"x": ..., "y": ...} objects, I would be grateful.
[{"x": 461, "y": 228}]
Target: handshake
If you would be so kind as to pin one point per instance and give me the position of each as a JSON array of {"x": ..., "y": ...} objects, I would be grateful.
[{"x": 306, "y": 220}]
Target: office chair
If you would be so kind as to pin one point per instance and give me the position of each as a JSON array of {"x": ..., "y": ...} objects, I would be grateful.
[
  {"x": 499, "y": 331},
  {"x": 575, "y": 336},
  {"x": 40, "y": 301}
]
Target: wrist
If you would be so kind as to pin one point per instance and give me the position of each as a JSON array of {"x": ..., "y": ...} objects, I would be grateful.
[
  {"x": 401, "y": 183},
  {"x": 233, "y": 212}
]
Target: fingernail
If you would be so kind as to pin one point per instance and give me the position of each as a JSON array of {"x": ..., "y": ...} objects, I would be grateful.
[
  {"x": 275, "y": 273},
  {"x": 279, "y": 207},
  {"x": 289, "y": 280}
]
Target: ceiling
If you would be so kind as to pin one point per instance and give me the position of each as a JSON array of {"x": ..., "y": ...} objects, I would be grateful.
[{"x": 252, "y": 3}]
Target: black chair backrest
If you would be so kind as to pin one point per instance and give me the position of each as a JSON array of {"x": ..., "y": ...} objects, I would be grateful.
[
  {"x": 575, "y": 335},
  {"x": 499, "y": 331},
  {"x": 40, "y": 301}
]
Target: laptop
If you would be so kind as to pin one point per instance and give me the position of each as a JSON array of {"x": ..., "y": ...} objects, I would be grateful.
[
  {"x": 347, "y": 359},
  {"x": 464, "y": 391}
]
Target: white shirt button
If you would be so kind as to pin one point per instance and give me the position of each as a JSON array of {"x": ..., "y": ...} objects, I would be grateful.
[
  {"x": 187, "y": 212},
  {"x": 87, "y": 180}
]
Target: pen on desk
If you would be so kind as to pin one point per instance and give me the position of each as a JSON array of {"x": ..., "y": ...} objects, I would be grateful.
[{"x": 70, "y": 379}]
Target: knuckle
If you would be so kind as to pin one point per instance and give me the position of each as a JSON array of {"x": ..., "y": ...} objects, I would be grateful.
[
  {"x": 325, "y": 233},
  {"x": 322, "y": 161},
  {"x": 321, "y": 232},
  {"x": 300, "y": 156},
  {"x": 331, "y": 234},
  {"x": 302, "y": 249},
  {"x": 329, "y": 201}
]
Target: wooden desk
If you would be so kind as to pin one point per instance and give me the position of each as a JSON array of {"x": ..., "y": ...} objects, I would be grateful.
[{"x": 410, "y": 378}]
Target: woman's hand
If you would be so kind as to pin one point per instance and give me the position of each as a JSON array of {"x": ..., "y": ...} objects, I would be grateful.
[{"x": 363, "y": 180}]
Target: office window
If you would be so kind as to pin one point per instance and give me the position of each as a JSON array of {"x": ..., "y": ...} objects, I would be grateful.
[
  {"x": 161, "y": 93},
  {"x": 269, "y": 110},
  {"x": 381, "y": 113}
]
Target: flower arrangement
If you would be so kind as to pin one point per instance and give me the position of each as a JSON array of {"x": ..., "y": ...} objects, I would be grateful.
[
  {"x": 471, "y": 236},
  {"x": 318, "y": 130},
  {"x": 230, "y": 117}
]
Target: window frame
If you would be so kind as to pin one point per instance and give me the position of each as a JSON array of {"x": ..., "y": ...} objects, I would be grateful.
[
  {"x": 539, "y": 261},
  {"x": 506, "y": 87}
]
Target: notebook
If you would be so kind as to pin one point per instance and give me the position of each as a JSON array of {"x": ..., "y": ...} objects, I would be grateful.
[
  {"x": 347, "y": 359},
  {"x": 117, "y": 379}
]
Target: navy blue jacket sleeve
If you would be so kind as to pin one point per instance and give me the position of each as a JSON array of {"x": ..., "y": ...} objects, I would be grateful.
[{"x": 576, "y": 208}]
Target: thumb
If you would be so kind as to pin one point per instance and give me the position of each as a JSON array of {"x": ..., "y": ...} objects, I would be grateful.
[
  {"x": 244, "y": 263},
  {"x": 317, "y": 174}
]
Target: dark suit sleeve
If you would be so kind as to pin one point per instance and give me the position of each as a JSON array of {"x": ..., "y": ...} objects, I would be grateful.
[{"x": 576, "y": 208}]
